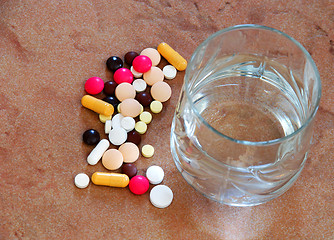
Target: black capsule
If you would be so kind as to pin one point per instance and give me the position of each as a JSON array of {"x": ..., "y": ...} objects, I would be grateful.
[
  {"x": 114, "y": 63},
  {"x": 112, "y": 100},
  {"x": 91, "y": 137}
]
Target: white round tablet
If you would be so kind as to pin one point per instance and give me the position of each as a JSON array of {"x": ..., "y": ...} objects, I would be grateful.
[
  {"x": 107, "y": 127},
  {"x": 155, "y": 174},
  {"x": 135, "y": 73},
  {"x": 81, "y": 180},
  {"x": 169, "y": 72},
  {"x": 128, "y": 123},
  {"x": 116, "y": 120},
  {"x": 118, "y": 136},
  {"x": 139, "y": 85},
  {"x": 161, "y": 196}
]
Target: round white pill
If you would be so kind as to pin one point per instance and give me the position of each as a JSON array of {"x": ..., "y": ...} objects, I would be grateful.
[
  {"x": 116, "y": 120},
  {"x": 135, "y": 73},
  {"x": 169, "y": 72},
  {"x": 107, "y": 127},
  {"x": 139, "y": 85},
  {"x": 81, "y": 180},
  {"x": 161, "y": 196},
  {"x": 118, "y": 136},
  {"x": 155, "y": 174},
  {"x": 128, "y": 123}
]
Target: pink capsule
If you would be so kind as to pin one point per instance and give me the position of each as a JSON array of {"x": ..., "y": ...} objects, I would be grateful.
[
  {"x": 122, "y": 75},
  {"x": 142, "y": 63}
]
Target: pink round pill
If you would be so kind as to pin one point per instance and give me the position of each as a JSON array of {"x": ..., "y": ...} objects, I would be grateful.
[
  {"x": 139, "y": 185},
  {"x": 142, "y": 63},
  {"x": 122, "y": 75},
  {"x": 94, "y": 85}
]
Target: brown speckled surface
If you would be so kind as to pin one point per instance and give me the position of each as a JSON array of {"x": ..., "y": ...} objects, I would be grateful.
[{"x": 49, "y": 48}]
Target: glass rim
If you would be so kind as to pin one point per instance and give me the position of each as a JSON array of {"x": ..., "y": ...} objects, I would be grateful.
[{"x": 245, "y": 142}]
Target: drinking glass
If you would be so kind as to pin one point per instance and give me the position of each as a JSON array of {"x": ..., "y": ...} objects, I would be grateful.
[{"x": 243, "y": 123}]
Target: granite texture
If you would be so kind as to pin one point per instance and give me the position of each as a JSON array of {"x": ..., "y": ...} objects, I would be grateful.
[{"x": 48, "y": 50}]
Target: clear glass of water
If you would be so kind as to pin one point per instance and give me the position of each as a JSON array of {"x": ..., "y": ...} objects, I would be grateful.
[{"x": 243, "y": 124}]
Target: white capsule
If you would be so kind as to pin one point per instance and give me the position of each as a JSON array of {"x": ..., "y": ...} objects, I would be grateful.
[
  {"x": 96, "y": 154},
  {"x": 107, "y": 127}
]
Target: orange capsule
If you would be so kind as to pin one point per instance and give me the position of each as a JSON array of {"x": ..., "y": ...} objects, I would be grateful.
[
  {"x": 172, "y": 56},
  {"x": 97, "y": 105},
  {"x": 110, "y": 179}
]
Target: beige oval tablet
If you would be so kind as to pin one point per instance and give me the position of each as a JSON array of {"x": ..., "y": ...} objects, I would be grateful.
[
  {"x": 112, "y": 159},
  {"x": 130, "y": 108},
  {"x": 154, "y": 75},
  {"x": 130, "y": 152}
]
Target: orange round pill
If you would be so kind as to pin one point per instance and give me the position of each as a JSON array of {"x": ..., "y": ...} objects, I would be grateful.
[
  {"x": 130, "y": 108},
  {"x": 130, "y": 152},
  {"x": 154, "y": 75},
  {"x": 112, "y": 159},
  {"x": 125, "y": 90},
  {"x": 161, "y": 91}
]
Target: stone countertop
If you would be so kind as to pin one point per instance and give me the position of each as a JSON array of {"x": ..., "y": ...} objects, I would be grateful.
[{"x": 48, "y": 50}]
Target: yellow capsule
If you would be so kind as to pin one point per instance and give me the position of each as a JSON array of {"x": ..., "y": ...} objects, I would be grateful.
[
  {"x": 110, "y": 179},
  {"x": 172, "y": 56},
  {"x": 97, "y": 105}
]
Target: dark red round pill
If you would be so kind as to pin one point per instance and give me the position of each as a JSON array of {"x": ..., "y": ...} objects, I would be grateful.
[
  {"x": 109, "y": 88},
  {"x": 129, "y": 56},
  {"x": 144, "y": 98},
  {"x": 129, "y": 169},
  {"x": 134, "y": 137}
]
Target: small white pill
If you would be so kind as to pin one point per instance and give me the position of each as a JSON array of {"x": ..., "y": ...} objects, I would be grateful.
[
  {"x": 81, "y": 180},
  {"x": 107, "y": 127},
  {"x": 139, "y": 85},
  {"x": 118, "y": 136},
  {"x": 161, "y": 196},
  {"x": 116, "y": 120},
  {"x": 155, "y": 174},
  {"x": 128, "y": 123},
  {"x": 169, "y": 72},
  {"x": 96, "y": 154},
  {"x": 135, "y": 73}
]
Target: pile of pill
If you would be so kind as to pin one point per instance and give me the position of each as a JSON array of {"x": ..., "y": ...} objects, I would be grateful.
[{"x": 124, "y": 112}]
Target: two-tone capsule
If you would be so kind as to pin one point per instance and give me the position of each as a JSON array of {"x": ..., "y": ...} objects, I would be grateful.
[
  {"x": 97, "y": 105},
  {"x": 172, "y": 56},
  {"x": 110, "y": 179}
]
